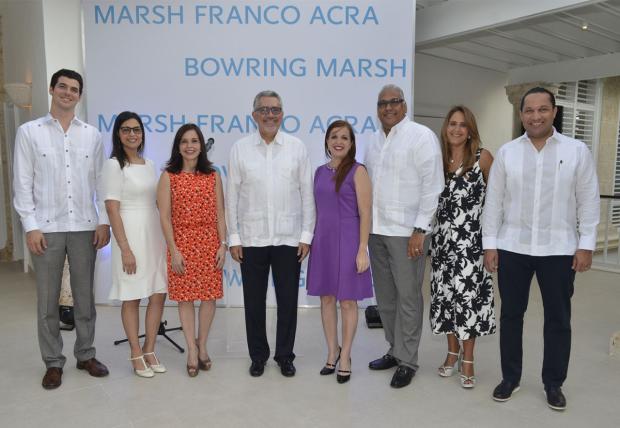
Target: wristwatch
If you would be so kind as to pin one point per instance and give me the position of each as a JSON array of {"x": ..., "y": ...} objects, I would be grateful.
[{"x": 419, "y": 230}]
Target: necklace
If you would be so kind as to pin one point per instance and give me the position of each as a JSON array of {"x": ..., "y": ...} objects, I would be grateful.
[
  {"x": 452, "y": 159},
  {"x": 331, "y": 168}
]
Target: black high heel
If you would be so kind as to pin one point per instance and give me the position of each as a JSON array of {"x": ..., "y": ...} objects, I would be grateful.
[
  {"x": 329, "y": 367},
  {"x": 344, "y": 376}
]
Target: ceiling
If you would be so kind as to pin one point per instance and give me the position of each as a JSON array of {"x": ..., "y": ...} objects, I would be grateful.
[{"x": 552, "y": 36}]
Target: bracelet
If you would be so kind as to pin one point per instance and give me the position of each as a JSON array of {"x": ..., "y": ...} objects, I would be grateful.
[
  {"x": 419, "y": 230},
  {"x": 224, "y": 243}
]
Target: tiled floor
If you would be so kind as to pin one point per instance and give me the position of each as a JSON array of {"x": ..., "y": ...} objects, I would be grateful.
[{"x": 228, "y": 397}]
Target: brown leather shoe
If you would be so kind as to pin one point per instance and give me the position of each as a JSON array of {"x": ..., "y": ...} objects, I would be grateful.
[
  {"x": 52, "y": 378},
  {"x": 93, "y": 367}
]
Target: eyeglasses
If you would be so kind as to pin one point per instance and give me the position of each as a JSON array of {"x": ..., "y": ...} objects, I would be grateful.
[
  {"x": 266, "y": 110},
  {"x": 392, "y": 103},
  {"x": 126, "y": 130}
]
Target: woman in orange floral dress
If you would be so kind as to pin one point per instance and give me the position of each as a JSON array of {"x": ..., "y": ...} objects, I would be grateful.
[{"x": 191, "y": 206}]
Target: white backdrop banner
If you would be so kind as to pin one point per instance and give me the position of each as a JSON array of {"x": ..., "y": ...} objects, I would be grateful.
[{"x": 175, "y": 62}]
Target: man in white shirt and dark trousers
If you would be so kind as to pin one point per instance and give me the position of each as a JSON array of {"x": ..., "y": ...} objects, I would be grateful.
[
  {"x": 57, "y": 172},
  {"x": 270, "y": 219},
  {"x": 405, "y": 165},
  {"x": 540, "y": 217}
]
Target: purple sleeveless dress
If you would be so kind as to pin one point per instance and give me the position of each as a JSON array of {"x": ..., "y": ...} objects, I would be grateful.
[{"x": 331, "y": 267}]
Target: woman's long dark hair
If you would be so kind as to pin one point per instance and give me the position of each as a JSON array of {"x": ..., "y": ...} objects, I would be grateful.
[
  {"x": 175, "y": 163},
  {"x": 118, "y": 151},
  {"x": 349, "y": 160}
]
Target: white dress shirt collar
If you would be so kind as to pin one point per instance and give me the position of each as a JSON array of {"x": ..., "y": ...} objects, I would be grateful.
[
  {"x": 278, "y": 139},
  {"x": 396, "y": 128},
  {"x": 74, "y": 121},
  {"x": 555, "y": 137}
]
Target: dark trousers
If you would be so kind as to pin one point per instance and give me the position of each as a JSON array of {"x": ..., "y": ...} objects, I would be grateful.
[
  {"x": 556, "y": 281},
  {"x": 285, "y": 269}
]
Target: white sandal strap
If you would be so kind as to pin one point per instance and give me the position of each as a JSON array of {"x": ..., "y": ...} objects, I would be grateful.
[
  {"x": 140, "y": 357},
  {"x": 454, "y": 353},
  {"x": 154, "y": 356}
]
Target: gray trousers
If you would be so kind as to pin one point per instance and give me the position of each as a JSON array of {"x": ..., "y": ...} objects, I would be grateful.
[
  {"x": 79, "y": 248},
  {"x": 398, "y": 288}
]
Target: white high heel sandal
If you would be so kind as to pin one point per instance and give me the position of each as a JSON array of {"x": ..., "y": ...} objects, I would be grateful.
[
  {"x": 146, "y": 372},
  {"x": 158, "y": 367},
  {"x": 467, "y": 381},
  {"x": 447, "y": 371}
]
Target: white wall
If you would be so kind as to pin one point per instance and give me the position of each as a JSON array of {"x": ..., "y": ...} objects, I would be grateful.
[
  {"x": 439, "y": 84},
  {"x": 39, "y": 38},
  {"x": 63, "y": 39},
  {"x": 24, "y": 49},
  {"x": 24, "y": 62}
]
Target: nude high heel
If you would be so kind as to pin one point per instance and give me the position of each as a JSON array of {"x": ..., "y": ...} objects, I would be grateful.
[
  {"x": 146, "y": 372},
  {"x": 157, "y": 367}
]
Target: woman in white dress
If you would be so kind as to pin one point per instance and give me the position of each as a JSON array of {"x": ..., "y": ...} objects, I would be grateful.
[{"x": 138, "y": 246}]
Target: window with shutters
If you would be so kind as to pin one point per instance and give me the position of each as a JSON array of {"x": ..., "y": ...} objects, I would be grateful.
[{"x": 580, "y": 102}]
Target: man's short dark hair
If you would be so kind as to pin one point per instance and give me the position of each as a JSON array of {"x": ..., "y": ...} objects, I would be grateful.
[
  {"x": 538, "y": 90},
  {"x": 70, "y": 74}
]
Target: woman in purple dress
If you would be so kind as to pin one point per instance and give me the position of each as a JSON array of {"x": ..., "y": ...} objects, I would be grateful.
[{"x": 338, "y": 264}]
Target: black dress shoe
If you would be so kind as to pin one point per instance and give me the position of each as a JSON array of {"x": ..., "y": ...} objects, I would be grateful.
[
  {"x": 555, "y": 398},
  {"x": 504, "y": 391},
  {"x": 52, "y": 378},
  {"x": 287, "y": 368},
  {"x": 402, "y": 376},
  {"x": 93, "y": 366},
  {"x": 257, "y": 368},
  {"x": 383, "y": 363}
]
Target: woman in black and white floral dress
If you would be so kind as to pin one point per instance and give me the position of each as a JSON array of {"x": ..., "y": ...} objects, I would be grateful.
[{"x": 461, "y": 289}]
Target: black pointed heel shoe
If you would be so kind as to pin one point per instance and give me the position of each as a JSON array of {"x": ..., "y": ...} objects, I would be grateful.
[
  {"x": 329, "y": 367},
  {"x": 343, "y": 376}
]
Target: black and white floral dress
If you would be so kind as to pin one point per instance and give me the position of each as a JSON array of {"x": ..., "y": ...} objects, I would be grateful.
[{"x": 461, "y": 289}]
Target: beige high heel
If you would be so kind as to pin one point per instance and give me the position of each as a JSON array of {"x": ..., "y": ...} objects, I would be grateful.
[
  {"x": 146, "y": 372},
  {"x": 467, "y": 381},
  {"x": 447, "y": 371},
  {"x": 158, "y": 367}
]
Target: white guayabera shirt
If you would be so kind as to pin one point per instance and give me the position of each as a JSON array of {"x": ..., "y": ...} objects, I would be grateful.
[
  {"x": 542, "y": 203},
  {"x": 57, "y": 176},
  {"x": 406, "y": 170},
  {"x": 269, "y": 196}
]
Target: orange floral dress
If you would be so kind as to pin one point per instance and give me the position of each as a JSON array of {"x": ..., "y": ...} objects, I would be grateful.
[{"x": 194, "y": 224}]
